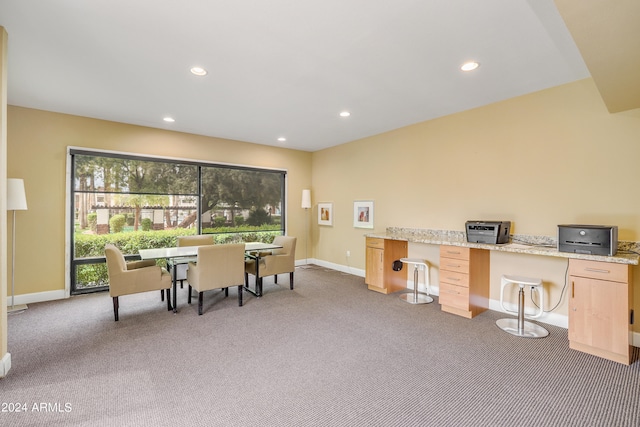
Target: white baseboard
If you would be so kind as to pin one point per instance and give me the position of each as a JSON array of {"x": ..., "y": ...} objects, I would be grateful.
[
  {"x": 556, "y": 320},
  {"x": 559, "y": 320},
  {"x": 38, "y": 297},
  {"x": 343, "y": 268},
  {"x": 548, "y": 318},
  {"x": 494, "y": 305},
  {"x": 5, "y": 365}
]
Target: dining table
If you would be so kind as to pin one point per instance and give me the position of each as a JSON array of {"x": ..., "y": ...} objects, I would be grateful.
[{"x": 183, "y": 254}]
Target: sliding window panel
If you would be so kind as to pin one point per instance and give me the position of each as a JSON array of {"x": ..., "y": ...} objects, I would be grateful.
[{"x": 242, "y": 204}]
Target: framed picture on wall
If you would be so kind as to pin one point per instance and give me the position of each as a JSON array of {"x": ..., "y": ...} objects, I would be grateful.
[
  {"x": 363, "y": 214},
  {"x": 325, "y": 213}
]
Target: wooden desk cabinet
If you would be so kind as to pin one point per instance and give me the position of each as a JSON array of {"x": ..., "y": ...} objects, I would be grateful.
[
  {"x": 379, "y": 274},
  {"x": 464, "y": 280},
  {"x": 600, "y": 315}
]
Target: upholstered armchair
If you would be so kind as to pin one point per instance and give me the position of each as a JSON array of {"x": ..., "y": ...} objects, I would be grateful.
[
  {"x": 280, "y": 261},
  {"x": 127, "y": 278},
  {"x": 197, "y": 240},
  {"x": 217, "y": 267}
]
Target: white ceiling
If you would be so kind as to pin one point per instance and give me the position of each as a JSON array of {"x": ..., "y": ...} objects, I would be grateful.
[{"x": 281, "y": 67}]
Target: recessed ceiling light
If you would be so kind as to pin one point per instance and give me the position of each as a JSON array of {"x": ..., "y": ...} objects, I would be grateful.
[
  {"x": 282, "y": 139},
  {"x": 469, "y": 66},
  {"x": 199, "y": 71},
  {"x": 169, "y": 119},
  {"x": 345, "y": 114}
]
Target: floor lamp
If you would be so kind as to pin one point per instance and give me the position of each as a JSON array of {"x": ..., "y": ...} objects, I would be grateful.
[
  {"x": 306, "y": 205},
  {"x": 16, "y": 201}
]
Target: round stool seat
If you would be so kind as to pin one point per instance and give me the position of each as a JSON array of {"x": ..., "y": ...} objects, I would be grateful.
[
  {"x": 416, "y": 297},
  {"x": 521, "y": 280},
  {"x": 416, "y": 261}
]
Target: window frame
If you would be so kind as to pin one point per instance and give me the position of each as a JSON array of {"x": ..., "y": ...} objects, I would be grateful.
[{"x": 71, "y": 262}]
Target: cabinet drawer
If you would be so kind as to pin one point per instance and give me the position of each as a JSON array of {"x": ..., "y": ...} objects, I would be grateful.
[
  {"x": 373, "y": 242},
  {"x": 453, "y": 264},
  {"x": 454, "y": 296},
  {"x": 599, "y": 270},
  {"x": 454, "y": 278},
  {"x": 454, "y": 252}
]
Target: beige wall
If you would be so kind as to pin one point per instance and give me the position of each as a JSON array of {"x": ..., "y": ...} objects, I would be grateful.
[
  {"x": 547, "y": 158},
  {"x": 556, "y": 156},
  {"x": 37, "y": 147}
]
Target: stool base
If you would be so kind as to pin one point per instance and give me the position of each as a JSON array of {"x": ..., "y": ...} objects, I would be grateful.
[
  {"x": 529, "y": 330},
  {"x": 412, "y": 298}
]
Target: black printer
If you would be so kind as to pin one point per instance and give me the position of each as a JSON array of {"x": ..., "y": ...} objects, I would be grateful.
[
  {"x": 492, "y": 232},
  {"x": 588, "y": 239}
]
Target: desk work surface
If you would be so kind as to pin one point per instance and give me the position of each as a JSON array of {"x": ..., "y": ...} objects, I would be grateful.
[{"x": 531, "y": 245}]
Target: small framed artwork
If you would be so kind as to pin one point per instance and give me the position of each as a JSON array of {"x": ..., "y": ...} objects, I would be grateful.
[
  {"x": 363, "y": 214},
  {"x": 325, "y": 213}
]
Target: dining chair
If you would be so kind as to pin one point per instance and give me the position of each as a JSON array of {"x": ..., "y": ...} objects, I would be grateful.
[
  {"x": 217, "y": 267},
  {"x": 198, "y": 240},
  {"x": 133, "y": 277},
  {"x": 280, "y": 261}
]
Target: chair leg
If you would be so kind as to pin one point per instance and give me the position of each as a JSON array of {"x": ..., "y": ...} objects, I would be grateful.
[
  {"x": 189, "y": 297},
  {"x": 240, "y": 288},
  {"x": 200, "y": 299},
  {"x": 181, "y": 284},
  {"x": 275, "y": 279},
  {"x": 169, "y": 307},
  {"x": 291, "y": 280},
  {"x": 161, "y": 294},
  {"x": 226, "y": 292},
  {"x": 115, "y": 307}
]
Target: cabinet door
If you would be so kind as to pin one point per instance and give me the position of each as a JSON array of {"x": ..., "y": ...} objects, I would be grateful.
[
  {"x": 374, "y": 274},
  {"x": 599, "y": 314}
]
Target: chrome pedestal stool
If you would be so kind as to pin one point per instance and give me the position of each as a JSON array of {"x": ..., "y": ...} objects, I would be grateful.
[
  {"x": 417, "y": 297},
  {"x": 518, "y": 326}
]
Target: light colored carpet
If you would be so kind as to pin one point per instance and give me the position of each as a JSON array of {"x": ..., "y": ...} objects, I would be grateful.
[{"x": 328, "y": 353}]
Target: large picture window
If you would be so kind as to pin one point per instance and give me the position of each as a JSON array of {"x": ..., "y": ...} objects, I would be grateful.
[{"x": 140, "y": 203}]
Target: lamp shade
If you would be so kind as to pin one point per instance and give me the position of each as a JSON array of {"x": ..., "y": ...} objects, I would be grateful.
[
  {"x": 16, "y": 198},
  {"x": 306, "y": 199}
]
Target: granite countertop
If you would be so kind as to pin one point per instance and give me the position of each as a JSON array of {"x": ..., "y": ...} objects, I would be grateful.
[{"x": 628, "y": 252}]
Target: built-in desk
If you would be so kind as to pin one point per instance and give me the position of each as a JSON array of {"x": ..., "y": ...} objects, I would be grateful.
[
  {"x": 531, "y": 245},
  {"x": 600, "y": 288}
]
